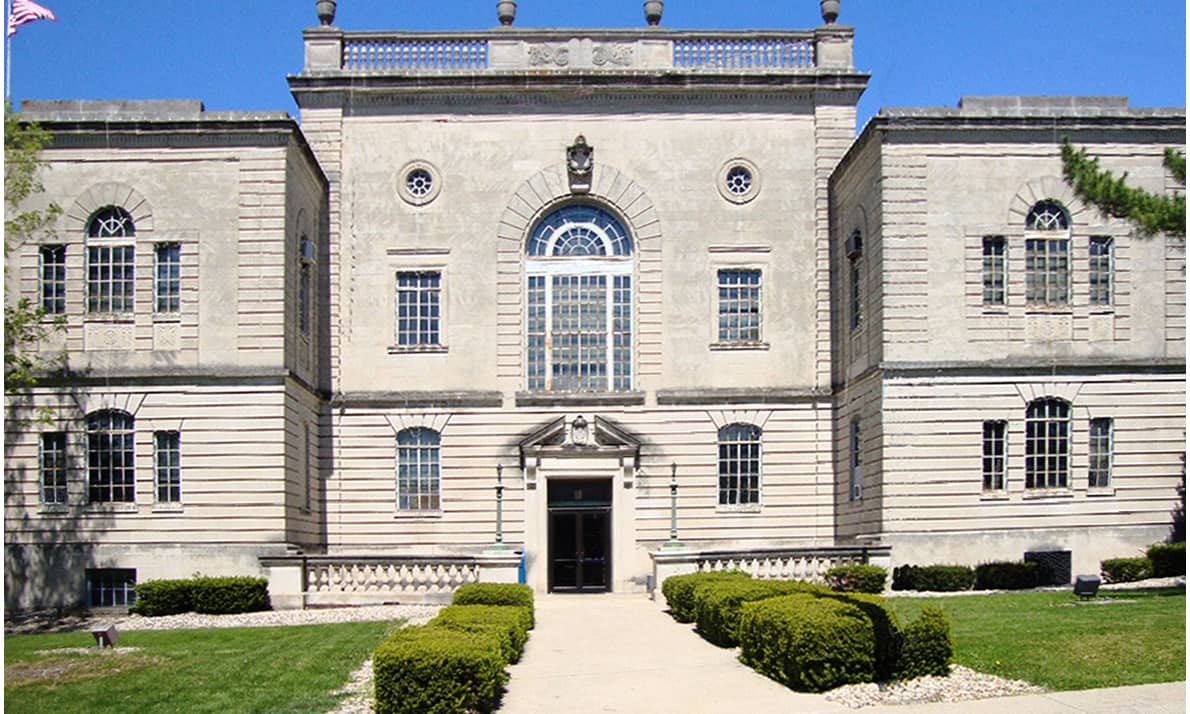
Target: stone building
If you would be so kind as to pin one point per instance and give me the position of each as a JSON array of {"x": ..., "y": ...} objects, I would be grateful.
[{"x": 626, "y": 302}]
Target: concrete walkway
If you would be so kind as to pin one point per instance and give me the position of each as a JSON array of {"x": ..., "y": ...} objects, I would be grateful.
[{"x": 621, "y": 653}]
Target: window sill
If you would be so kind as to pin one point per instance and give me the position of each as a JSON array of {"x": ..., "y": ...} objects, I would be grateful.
[
  {"x": 110, "y": 317},
  {"x": 734, "y": 346},
  {"x": 1101, "y": 311},
  {"x": 549, "y": 399},
  {"x": 1055, "y": 310},
  {"x": 112, "y": 508},
  {"x": 414, "y": 515},
  {"x": 417, "y": 349},
  {"x": 1035, "y": 494},
  {"x": 48, "y": 509},
  {"x": 167, "y": 317},
  {"x": 993, "y": 496},
  {"x": 167, "y": 508},
  {"x": 995, "y": 310},
  {"x": 1107, "y": 492},
  {"x": 744, "y": 508}
]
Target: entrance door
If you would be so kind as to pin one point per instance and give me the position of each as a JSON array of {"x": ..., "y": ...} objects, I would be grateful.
[{"x": 580, "y": 536}]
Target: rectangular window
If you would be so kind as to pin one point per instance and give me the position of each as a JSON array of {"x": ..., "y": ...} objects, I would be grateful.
[
  {"x": 856, "y": 470},
  {"x": 535, "y": 332},
  {"x": 622, "y": 332},
  {"x": 52, "y": 465},
  {"x": 419, "y": 295},
  {"x": 1047, "y": 271},
  {"x": 111, "y": 587},
  {"x": 739, "y": 465},
  {"x": 1100, "y": 453},
  {"x": 307, "y": 468},
  {"x": 994, "y": 254},
  {"x": 739, "y": 306},
  {"x": 418, "y": 470},
  {"x": 579, "y": 333},
  {"x": 1100, "y": 270},
  {"x": 994, "y": 455},
  {"x": 856, "y": 295},
  {"x": 305, "y": 284},
  {"x": 110, "y": 278},
  {"x": 52, "y": 260},
  {"x": 167, "y": 286},
  {"x": 167, "y": 464}
]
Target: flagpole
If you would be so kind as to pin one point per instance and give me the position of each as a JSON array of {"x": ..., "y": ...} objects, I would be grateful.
[{"x": 7, "y": 53}]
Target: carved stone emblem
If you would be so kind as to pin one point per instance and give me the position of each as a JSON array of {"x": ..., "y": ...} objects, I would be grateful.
[
  {"x": 549, "y": 54},
  {"x": 580, "y": 160},
  {"x": 580, "y": 432},
  {"x": 618, "y": 54}
]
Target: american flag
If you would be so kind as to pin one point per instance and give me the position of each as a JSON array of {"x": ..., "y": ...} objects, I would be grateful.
[{"x": 24, "y": 11}]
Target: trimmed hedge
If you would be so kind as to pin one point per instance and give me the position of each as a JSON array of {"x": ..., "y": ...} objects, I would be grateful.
[
  {"x": 927, "y": 647},
  {"x": 224, "y": 596},
  {"x": 857, "y": 578},
  {"x": 886, "y": 628},
  {"x": 1125, "y": 570},
  {"x": 438, "y": 670},
  {"x": 807, "y": 643},
  {"x": 679, "y": 591},
  {"x": 933, "y": 578},
  {"x": 1006, "y": 575},
  {"x": 717, "y": 604},
  {"x": 510, "y": 624},
  {"x": 1169, "y": 559},
  {"x": 155, "y": 598},
  {"x": 496, "y": 594}
]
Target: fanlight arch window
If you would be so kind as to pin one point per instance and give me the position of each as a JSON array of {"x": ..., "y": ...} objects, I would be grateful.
[
  {"x": 419, "y": 467},
  {"x": 111, "y": 457},
  {"x": 578, "y": 330},
  {"x": 1047, "y": 254},
  {"x": 1047, "y": 444},
  {"x": 111, "y": 259}
]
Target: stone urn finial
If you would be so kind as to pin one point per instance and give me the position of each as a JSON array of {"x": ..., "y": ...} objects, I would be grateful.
[
  {"x": 653, "y": 9},
  {"x": 326, "y": 12},
  {"x": 506, "y": 12},
  {"x": 830, "y": 11}
]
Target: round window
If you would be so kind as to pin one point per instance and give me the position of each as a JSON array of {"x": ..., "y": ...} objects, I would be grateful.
[
  {"x": 738, "y": 180},
  {"x": 418, "y": 183}
]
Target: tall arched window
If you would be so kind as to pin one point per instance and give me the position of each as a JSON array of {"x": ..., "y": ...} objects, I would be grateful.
[
  {"x": 1047, "y": 254},
  {"x": 111, "y": 457},
  {"x": 1047, "y": 444},
  {"x": 578, "y": 270},
  {"x": 418, "y": 470},
  {"x": 111, "y": 255},
  {"x": 739, "y": 465}
]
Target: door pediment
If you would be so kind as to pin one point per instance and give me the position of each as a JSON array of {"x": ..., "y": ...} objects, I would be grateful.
[{"x": 580, "y": 437}]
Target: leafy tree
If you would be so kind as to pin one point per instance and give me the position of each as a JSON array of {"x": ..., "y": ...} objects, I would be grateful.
[
  {"x": 1150, "y": 213},
  {"x": 24, "y": 320}
]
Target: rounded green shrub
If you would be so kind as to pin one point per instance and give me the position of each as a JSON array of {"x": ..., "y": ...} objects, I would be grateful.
[
  {"x": 857, "y": 578},
  {"x": 227, "y": 595},
  {"x": 1006, "y": 575},
  {"x": 155, "y": 598},
  {"x": 1126, "y": 570},
  {"x": 808, "y": 643},
  {"x": 1169, "y": 559},
  {"x": 717, "y": 604},
  {"x": 886, "y": 628},
  {"x": 510, "y": 624},
  {"x": 679, "y": 591},
  {"x": 927, "y": 647},
  {"x": 438, "y": 670},
  {"x": 496, "y": 594},
  {"x": 933, "y": 578}
]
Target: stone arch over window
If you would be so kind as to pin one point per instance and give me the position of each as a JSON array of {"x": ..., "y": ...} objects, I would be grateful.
[
  {"x": 1038, "y": 190},
  {"x": 536, "y": 200},
  {"x": 1047, "y": 443},
  {"x": 99, "y": 196}
]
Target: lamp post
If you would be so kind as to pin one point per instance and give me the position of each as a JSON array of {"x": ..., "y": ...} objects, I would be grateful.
[
  {"x": 499, "y": 507},
  {"x": 673, "y": 541}
]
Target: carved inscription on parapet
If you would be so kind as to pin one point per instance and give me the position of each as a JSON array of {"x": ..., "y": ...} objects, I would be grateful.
[
  {"x": 617, "y": 54},
  {"x": 540, "y": 55}
]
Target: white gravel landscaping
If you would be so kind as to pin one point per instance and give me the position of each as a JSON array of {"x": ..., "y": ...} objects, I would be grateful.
[{"x": 962, "y": 685}]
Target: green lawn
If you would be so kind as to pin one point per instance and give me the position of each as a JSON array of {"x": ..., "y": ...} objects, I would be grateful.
[
  {"x": 262, "y": 669},
  {"x": 1049, "y": 639}
]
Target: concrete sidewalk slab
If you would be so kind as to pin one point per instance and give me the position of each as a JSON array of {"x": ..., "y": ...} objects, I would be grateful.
[{"x": 621, "y": 653}]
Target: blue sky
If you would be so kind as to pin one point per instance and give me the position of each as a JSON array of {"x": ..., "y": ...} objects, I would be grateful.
[{"x": 236, "y": 55}]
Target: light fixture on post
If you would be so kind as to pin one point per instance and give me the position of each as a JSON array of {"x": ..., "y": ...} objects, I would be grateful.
[
  {"x": 499, "y": 544},
  {"x": 673, "y": 541}
]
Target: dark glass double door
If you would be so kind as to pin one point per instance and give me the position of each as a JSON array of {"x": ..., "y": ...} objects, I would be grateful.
[{"x": 580, "y": 542}]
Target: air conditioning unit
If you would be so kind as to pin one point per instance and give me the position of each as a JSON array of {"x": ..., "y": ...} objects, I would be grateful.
[{"x": 855, "y": 246}]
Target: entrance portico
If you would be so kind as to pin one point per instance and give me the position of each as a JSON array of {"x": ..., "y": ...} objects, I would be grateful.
[{"x": 580, "y": 505}]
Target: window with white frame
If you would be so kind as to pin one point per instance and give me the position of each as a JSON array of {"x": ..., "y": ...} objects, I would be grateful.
[
  {"x": 167, "y": 283},
  {"x": 419, "y": 308},
  {"x": 856, "y": 476},
  {"x": 994, "y": 455},
  {"x": 52, "y": 467},
  {"x": 306, "y": 266},
  {"x": 579, "y": 272},
  {"x": 1100, "y": 453},
  {"x": 739, "y": 306},
  {"x": 995, "y": 254},
  {"x": 1100, "y": 270},
  {"x": 111, "y": 471},
  {"x": 111, "y": 258},
  {"x": 52, "y": 272},
  {"x": 111, "y": 587},
  {"x": 1047, "y": 255},
  {"x": 739, "y": 465},
  {"x": 418, "y": 469},
  {"x": 167, "y": 466},
  {"x": 1047, "y": 444}
]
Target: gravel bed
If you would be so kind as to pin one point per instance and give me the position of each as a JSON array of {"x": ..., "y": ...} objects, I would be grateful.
[{"x": 962, "y": 685}]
